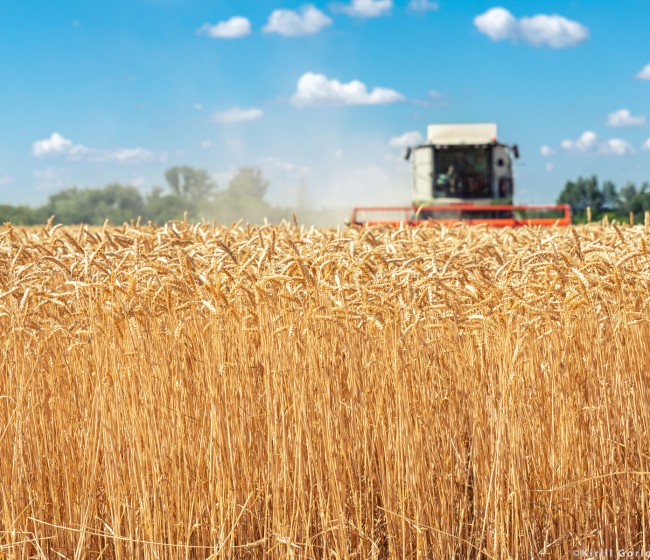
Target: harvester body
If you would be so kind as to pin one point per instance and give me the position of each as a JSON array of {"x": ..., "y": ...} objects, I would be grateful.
[{"x": 462, "y": 173}]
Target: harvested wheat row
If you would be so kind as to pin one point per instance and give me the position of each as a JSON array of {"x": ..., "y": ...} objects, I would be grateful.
[{"x": 281, "y": 392}]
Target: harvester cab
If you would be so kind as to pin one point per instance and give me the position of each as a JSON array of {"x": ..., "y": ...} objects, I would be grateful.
[
  {"x": 463, "y": 173},
  {"x": 462, "y": 163}
]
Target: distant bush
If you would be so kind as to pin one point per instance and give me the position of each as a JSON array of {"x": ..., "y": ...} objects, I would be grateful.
[
  {"x": 604, "y": 199},
  {"x": 189, "y": 192}
]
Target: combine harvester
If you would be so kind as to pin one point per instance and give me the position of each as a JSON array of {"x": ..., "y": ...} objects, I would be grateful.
[{"x": 463, "y": 174}]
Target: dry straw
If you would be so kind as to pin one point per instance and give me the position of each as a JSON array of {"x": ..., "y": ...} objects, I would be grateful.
[{"x": 283, "y": 392}]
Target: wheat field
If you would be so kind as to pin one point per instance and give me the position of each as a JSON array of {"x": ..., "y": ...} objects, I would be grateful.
[{"x": 195, "y": 391}]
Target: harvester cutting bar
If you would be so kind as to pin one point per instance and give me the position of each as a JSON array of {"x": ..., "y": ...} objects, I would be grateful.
[{"x": 496, "y": 216}]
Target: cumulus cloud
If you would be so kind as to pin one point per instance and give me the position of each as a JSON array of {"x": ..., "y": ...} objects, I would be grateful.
[
  {"x": 316, "y": 89},
  {"x": 586, "y": 141},
  {"x": 233, "y": 28},
  {"x": 59, "y": 146},
  {"x": 646, "y": 146},
  {"x": 589, "y": 143},
  {"x": 406, "y": 140},
  {"x": 549, "y": 167},
  {"x": 423, "y": 5},
  {"x": 553, "y": 30},
  {"x": 307, "y": 20},
  {"x": 547, "y": 151},
  {"x": 623, "y": 117},
  {"x": 56, "y": 144},
  {"x": 366, "y": 8},
  {"x": 616, "y": 147},
  {"x": 497, "y": 23},
  {"x": 644, "y": 73},
  {"x": 237, "y": 115}
]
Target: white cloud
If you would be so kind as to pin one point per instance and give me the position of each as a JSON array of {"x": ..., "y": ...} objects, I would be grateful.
[
  {"x": 56, "y": 144},
  {"x": 198, "y": 106},
  {"x": 644, "y": 73},
  {"x": 498, "y": 24},
  {"x": 549, "y": 167},
  {"x": 307, "y": 20},
  {"x": 547, "y": 151},
  {"x": 316, "y": 89},
  {"x": 623, "y": 117},
  {"x": 5, "y": 180},
  {"x": 588, "y": 143},
  {"x": 406, "y": 140},
  {"x": 646, "y": 146},
  {"x": 366, "y": 8},
  {"x": 423, "y": 5},
  {"x": 585, "y": 143},
  {"x": 59, "y": 146},
  {"x": 616, "y": 147},
  {"x": 126, "y": 155},
  {"x": 233, "y": 28},
  {"x": 206, "y": 144},
  {"x": 553, "y": 30},
  {"x": 237, "y": 115}
]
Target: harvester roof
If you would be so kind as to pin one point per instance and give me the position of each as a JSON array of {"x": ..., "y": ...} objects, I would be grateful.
[{"x": 461, "y": 134}]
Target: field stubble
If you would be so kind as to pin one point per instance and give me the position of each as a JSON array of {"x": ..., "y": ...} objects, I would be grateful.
[{"x": 279, "y": 392}]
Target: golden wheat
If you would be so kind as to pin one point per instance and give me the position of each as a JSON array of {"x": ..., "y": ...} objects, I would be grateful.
[{"x": 283, "y": 392}]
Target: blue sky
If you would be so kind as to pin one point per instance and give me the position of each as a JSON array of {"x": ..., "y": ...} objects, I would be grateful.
[{"x": 327, "y": 93}]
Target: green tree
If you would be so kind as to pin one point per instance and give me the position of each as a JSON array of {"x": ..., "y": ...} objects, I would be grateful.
[
  {"x": 22, "y": 215},
  {"x": 160, "y": 207},
  {"x": 195, "y": 185},
  {"x": 611, "y": 199},
  {"x": 190, "y": 191},
  {"x": 635, "y": 200},
  {"x": 582, "y": 194},
  {"x": 116, "y": 202}
]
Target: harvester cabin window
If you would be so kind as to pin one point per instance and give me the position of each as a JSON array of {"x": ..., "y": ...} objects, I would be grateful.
[{"x": 462, "y": 172}]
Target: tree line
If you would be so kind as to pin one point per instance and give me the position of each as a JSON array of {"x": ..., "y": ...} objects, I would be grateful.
[
  {"x": 193, "y": 193},
  {"x": 189, "y": 192},
  {"x": 606, "y": 199}
]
